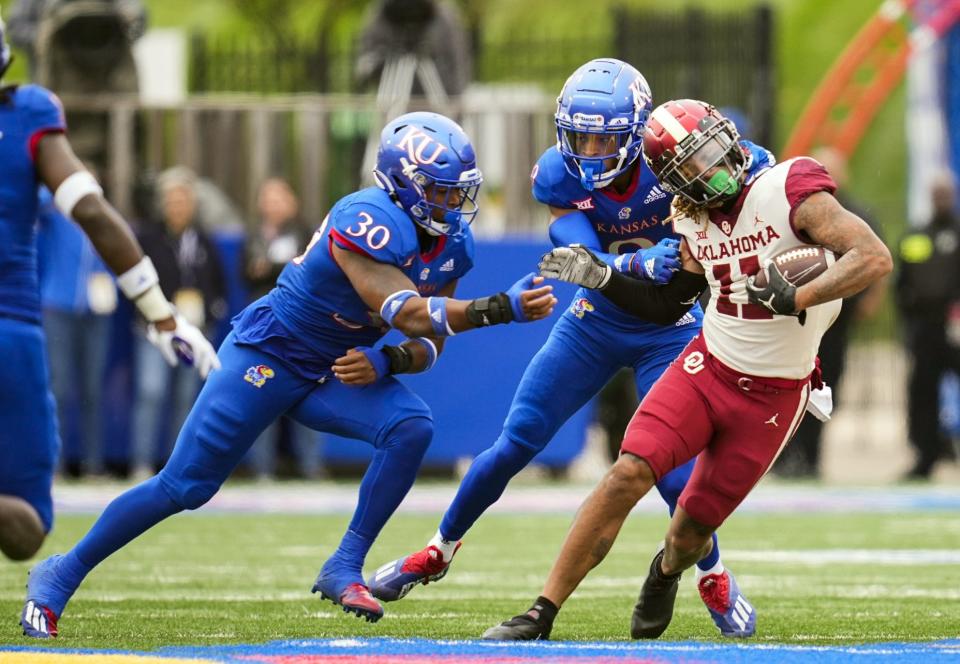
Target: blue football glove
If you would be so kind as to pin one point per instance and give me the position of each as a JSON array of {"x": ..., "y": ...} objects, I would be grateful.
[
  {"x": 760, "y": 160},
  {"x": 378, "y": 359},
  {"x": 513, "y": 294},
  {"x": 656, "y": 264}
]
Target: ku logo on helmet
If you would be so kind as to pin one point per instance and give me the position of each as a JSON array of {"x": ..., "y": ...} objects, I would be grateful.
[
  {"x": 416, "y": 143},
  {"x": 641, "y": 92}
]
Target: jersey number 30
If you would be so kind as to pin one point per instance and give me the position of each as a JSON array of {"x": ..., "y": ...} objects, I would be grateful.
[{"x": 376, "y": 237}]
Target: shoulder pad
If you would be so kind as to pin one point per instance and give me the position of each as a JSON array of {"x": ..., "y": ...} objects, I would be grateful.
[
  {"x": 364, "y": 224},
  {"x": 552, "y": 184},
  {"x": 42, "y": 108}
]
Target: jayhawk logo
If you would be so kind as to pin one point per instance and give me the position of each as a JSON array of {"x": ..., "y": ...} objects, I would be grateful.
[
  {"x": 580, "y": 307},
  {"x": 259, "y": 374}
]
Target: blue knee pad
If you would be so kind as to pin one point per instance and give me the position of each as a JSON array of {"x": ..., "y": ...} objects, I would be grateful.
[
  {"x": 414, "y": 435},
  {"x": 528, "y": 426},
  {"x": 209, "y": 447}
]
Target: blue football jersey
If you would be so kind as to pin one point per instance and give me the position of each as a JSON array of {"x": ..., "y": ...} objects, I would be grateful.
[
  {"x": 623, "y": 223},
  {"x": 314, "y": 315},
  {"x": 28, "y": 113}
]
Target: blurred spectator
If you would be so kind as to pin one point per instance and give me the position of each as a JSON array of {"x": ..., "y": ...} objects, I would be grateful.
[
  {"x": 927, "y": 285},
  {"x": 192, "y": 278},
  {"x": 279, "y": 236},
  {"x": 429, "y": 29},
  {"x": 801, "y": 458},
  {"x": 81, "y": 48},
  {"x": 79, "y": 296}
]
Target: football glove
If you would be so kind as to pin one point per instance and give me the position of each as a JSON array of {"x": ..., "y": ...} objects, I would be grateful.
[
  {"x": 778, "y": 296},
  {"x": 576, "y": 265},
  {"x": 656, "y": 263},
  {"x": 513, "y": 294},
  {"x": 184, "y": 344}
]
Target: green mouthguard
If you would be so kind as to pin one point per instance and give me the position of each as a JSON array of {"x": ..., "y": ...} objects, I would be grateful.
[{"x": 723, "y": 183}]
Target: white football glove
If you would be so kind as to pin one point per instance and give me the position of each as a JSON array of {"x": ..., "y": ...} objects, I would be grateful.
[
  {"x": 185, "y": 343},
  {"x": 575, "y": 264}
]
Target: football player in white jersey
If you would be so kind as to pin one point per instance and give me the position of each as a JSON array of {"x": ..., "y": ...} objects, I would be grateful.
[{"x": 738, "y": 391}]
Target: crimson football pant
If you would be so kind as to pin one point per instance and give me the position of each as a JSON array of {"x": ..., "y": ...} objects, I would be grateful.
[{"x": 737, "y": 424}]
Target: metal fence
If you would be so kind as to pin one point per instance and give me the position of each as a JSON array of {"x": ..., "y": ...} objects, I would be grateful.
[{"x": 317, "y": 143}]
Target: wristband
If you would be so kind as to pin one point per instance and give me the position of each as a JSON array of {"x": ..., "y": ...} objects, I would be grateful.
[
  {"x": 394, "y": 302},
  {"x": 137, "y": 280},
  {"x": 154, "y": 305},
  {"x": 400, "y": 358},
  {"x": 491, "y": 310},
  {"x": 437, "y": 308},
  {"x": 71, "y": 191},
  {"x": 431, "y": 351}
]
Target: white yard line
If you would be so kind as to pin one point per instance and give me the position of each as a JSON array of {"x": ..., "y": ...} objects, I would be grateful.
[{"x": 330, "y": 498}]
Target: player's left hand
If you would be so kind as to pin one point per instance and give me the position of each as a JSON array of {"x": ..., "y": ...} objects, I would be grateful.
[
  {"x": 657, "y": 263},
  {"x": 778, "y": 296},
  {"x": 576, "y": 265},
  {"x": 530, "y": 301},
  {"x": 184, "y": 343},
  {"x": 361, "y": 366}
]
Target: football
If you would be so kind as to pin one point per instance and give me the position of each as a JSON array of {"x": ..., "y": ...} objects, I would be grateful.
[{"x": 799, "y": 265}]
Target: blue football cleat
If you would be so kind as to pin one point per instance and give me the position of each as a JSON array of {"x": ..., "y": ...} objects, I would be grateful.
[
  {"x": 730, "y": 610},
  {"x": 46, "y": 598},
  {"x": 342, "y": 589},
  {"x": 395, "y": 579}
]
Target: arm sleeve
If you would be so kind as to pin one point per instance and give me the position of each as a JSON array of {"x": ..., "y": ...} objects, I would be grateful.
[
  {"x": 662, "y": 305},
  {"x": 574, "y": 228}
]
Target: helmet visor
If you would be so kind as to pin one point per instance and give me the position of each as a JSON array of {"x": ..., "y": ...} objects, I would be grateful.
[
  {"x": 453, "y": 204},
  {"x": 594, "y": 145}
]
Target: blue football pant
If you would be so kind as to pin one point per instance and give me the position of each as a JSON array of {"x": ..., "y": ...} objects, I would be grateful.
[
  {"x": 228, "y": 416},
  {"x": 29, "y": 442}
]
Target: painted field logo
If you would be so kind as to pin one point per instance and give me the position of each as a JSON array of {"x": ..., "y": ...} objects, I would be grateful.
[
  {"x": 259, "y": 374},
  {"x": 581, "y": 307}
]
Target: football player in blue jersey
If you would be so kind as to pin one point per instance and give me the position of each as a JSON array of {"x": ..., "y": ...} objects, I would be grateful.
[
  {"x": 385, "y": 257},
  {"x": 34, "y": 150},
  {"x": 601, "y": 195}
]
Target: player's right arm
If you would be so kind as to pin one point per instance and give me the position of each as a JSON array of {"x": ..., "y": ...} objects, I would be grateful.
[
  {"x": 79, "y": 197},
  {"x": 385, "y": 288},
  {"x": 657, "y": 304}
]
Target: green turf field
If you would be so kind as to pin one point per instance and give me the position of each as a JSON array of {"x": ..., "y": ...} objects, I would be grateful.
[{"x": 222, "y": 578}]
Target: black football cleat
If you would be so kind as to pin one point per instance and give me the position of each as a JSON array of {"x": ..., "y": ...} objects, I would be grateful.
[
  {"x": 520, "y": 628},
  {"x": 654, "y": 609}
]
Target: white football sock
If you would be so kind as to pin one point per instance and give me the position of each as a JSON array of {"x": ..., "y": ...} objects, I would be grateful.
[
  {"x": 716, "y": 569},
  {"x": 446, "y": 547}
]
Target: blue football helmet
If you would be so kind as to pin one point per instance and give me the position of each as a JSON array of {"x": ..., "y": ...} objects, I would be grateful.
[
  {"x": 601, "y": 114},
  {"x": 427, "y": 165},
  {"x": 4, "y": 49}
]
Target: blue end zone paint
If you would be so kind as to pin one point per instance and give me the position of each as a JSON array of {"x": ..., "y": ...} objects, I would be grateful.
[{"x": 384, "y": 650}]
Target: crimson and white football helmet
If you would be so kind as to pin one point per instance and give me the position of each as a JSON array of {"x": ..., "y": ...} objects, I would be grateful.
[{"x": 694, "y": 151}]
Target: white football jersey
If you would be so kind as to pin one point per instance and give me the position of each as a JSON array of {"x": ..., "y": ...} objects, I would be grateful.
[{"x": 745, "y": 336}]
